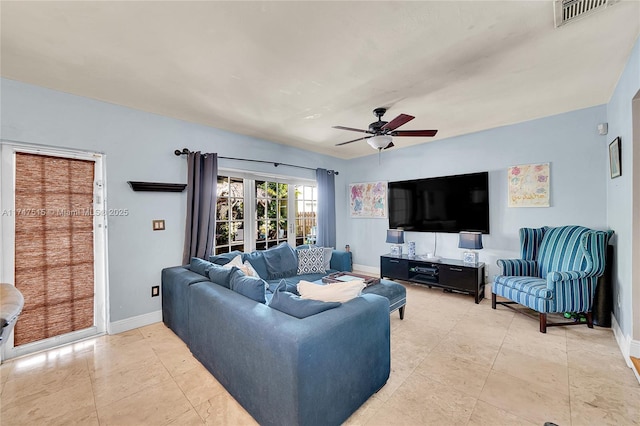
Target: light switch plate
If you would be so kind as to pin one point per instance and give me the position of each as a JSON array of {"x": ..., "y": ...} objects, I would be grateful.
[{"x": 158, "y": 225}]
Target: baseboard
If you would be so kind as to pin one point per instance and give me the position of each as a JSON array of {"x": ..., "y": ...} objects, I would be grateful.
[
  {"x": 364, "y": 268},
  {"x": 624, "y": 342},
  {"x": 634, "y": 348},
  {"x": 134, "y": 322}
]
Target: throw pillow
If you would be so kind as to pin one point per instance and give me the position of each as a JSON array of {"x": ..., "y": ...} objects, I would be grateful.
[
  {"x": 288, "y": 285},
  {"x": 311, "y": 261},
  {"x": 328, "y": 252},
  {"x": 224, "y": 258},
  {"x": 251, "y": 287},
  {"x": 281, "y": 261},
  {"x": 250, "y": 271},
  {"x": 295, "y": 306},
  {"x": 335, "y": 292},
  {"x": 200, "y": 266},
  {"x": 256, "y": 259},
  {"x": 221, "y": 275},
  {"x": 245, "y": 267}
]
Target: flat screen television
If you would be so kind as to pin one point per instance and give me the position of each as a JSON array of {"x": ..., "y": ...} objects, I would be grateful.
[{"x": 441, "y": 204}]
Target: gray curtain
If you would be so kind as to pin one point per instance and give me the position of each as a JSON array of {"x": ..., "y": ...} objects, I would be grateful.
[
  {"x": 326, "y": 236},
  {"x": 202, "y": 176}
]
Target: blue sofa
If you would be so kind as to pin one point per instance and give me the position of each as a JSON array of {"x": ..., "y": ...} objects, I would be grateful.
[{"x": 283, "y": 370}]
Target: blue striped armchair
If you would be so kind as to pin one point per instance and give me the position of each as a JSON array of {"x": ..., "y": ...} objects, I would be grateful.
[{"x": 558, "y": 271}]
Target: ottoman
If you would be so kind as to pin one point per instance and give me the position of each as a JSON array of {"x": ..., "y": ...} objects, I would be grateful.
[{"x": 396, "y": 293}]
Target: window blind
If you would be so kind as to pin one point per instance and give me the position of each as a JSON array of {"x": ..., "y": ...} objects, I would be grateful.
[{"x": 54, "y": 258}]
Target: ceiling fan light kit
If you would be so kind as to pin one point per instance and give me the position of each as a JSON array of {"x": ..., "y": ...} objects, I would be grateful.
[
  {"x": 382, "y": 132},
  {"x": 379, "y": 142}
]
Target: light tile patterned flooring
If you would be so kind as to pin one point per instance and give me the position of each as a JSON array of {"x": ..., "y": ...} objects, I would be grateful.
[{"x": 453, "y": 362}]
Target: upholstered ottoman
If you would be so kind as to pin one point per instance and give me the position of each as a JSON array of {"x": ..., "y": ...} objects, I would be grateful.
[{"x": 396, "y": 293}]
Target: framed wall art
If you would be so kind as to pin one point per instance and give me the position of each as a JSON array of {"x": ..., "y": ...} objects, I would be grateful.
[
  {"x": 615, "y": 157},
  {"x": 529, "y": 185},
  {"x": 368, "y": 200}
]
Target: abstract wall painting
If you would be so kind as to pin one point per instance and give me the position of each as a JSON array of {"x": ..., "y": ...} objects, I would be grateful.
[
  {"x": 529, "y": 185},
  {"x": 368, "y": 200}
]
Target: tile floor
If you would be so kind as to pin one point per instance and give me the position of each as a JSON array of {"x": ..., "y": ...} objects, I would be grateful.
[{"x": 453, "y": 362}]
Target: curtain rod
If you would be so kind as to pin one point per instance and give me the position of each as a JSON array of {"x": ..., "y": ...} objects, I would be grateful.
[{"x": 185, "y": 151}]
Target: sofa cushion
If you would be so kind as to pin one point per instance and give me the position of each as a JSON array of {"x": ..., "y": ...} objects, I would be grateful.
[
  {"x": 292, "y": 282},
  {"x": 295, "y": 306},
  {"x": 222, "y": 276},
  {"x": 311, "y": 261},
  {"x": 281, "y": 261},
  {"x": 200, "y": 266},
  {"x": 335, "y": 292},
  {"x": 531, "y": 285},
  {"x": 256, "y": 259},
  {"x": 251, "y": 287},
  {"x": 224, "y": 258}
]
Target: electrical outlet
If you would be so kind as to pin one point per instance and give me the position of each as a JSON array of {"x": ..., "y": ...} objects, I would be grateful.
[{"x": 155, "y": 291}]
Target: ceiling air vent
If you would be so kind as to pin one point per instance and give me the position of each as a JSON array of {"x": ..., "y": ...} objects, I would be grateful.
[{"x": 566, "y": 11}]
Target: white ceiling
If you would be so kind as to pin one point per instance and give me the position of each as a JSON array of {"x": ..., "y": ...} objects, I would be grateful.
[{"x": 288, "y": 71}]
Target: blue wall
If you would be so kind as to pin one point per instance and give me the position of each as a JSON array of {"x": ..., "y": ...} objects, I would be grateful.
[
  {"x": 570, "y": 142},
  {"x": 620, "y": 212}
]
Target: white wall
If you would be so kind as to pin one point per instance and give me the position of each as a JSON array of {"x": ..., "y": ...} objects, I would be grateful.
[
  {"x": 620, "y": 214},
  {"x": 570, "y": 142},
  {"x": 139, "y": 146}
]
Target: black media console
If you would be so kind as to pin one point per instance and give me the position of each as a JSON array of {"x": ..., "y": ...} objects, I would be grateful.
[{"x": 449, "y": 274}]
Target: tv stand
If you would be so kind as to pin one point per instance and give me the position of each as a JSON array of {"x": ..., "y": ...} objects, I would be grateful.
[{"x": 449, "y": 274}]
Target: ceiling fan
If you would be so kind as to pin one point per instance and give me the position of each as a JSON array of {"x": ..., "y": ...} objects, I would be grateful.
[{"x": 382, "y": 132}]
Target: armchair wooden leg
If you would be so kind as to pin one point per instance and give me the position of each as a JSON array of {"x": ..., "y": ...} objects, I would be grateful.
[
  {"x": 493, "y": 300},
  {"x": 589, "y": 319},
  {"x": 543, "y": 323}
]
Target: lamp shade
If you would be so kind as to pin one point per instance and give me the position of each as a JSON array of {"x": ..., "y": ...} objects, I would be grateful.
[
  {"x": 395, "y": 236},
  {"x": 470, "y": 240}
]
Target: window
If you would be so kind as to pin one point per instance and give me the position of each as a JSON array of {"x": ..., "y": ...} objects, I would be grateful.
[
  {"x": 306, "y": 220},
  {"x": 272, "y": 211},
  {"x": 254, "y": 213},
  {"x": 230, "y": 223}
]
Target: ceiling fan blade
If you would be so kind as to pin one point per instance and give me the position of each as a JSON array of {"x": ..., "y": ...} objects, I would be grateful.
[
  {"x": 391, "y": 145},
  {"x": 352, "y": 129},
  {"x": 355, "y": 140},
  {"x": 397, "y": 122},
  {"x": 414, "y": 133}
]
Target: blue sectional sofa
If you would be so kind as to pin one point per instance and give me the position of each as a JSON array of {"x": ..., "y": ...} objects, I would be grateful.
[{"x": 283, "y": 370}]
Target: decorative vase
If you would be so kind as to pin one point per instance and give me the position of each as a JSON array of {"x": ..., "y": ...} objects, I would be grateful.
[{"x": 411, "y": 249}]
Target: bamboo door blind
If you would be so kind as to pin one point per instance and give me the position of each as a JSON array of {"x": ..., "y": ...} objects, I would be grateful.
[{"x": 54, "y": 245}]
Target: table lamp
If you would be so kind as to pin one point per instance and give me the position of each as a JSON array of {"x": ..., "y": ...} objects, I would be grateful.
[
  {"x": 396, "y": 238},
  {"x": 473, "y": 241}
]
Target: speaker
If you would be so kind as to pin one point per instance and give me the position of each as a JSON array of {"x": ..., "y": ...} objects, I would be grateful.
[{"x": 603, "y": 128}]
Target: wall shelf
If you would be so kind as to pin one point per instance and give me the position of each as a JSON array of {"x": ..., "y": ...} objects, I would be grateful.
[{"x": 157, "y": 186}]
